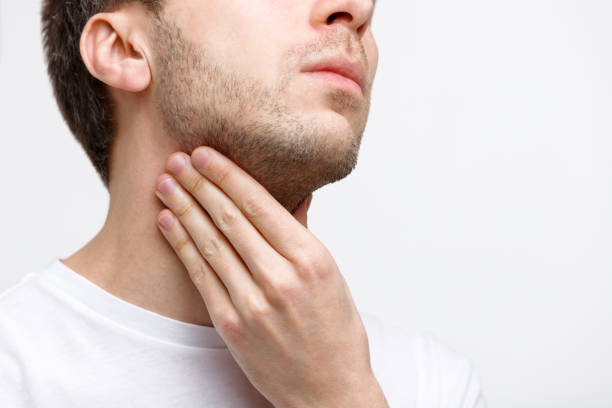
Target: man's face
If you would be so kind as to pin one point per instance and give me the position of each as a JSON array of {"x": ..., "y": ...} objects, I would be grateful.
[{"x": 253, "y": 79}]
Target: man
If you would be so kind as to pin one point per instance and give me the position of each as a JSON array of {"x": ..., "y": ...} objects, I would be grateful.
[{"x": 217, "y": 119}]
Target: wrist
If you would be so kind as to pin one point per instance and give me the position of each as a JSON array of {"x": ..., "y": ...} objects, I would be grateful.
[
  {"x": 365, "y": 393},
  {"x": 369, "y": 395}
]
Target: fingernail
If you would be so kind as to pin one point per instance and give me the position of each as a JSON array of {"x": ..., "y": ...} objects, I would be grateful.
[
  {"x": 166, "y": 221},
  {"x": 177, "y": 163},
  {"x": 200, "y": 157},
  {"x": 167, "y": 186}
]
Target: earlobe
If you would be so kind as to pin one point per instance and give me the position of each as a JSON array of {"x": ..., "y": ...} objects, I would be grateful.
[{"x": 111, "y": 55}]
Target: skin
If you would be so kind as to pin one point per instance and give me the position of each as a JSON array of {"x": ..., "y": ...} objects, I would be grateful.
[
  {"x": 284, "y": 139},
  {"x": 239, "y": 255},
  {"x": 269, "y": 285}
]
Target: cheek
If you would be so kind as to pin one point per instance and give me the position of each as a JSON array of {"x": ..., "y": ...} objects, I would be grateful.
[
  {"x": 371, "y": 49},
  {"x": 242, "y": 36}
]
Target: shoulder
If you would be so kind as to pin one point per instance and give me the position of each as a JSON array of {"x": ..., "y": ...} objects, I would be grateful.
[
  {"x": 445, "y": 375},
  {"x": 23, "y": 308},
  {"x": 30, "y": 313},
  {"x": 16, "y": 300},
  {"x": 16, "y": 331},
  {"x": 416, "y": 369}
]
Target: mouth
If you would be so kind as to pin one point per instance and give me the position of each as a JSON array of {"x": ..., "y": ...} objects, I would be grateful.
[{"x": 339, "y": 72}]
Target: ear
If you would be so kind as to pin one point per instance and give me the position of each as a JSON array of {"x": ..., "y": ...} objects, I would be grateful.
[{"x": 113, "y": 50}]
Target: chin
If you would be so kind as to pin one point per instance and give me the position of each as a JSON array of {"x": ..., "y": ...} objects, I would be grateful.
[
  {"x": 340, "y": 128},
  {"x": 330, "y": 107}
]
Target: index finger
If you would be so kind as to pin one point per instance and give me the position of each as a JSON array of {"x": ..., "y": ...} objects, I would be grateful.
[{"x": 270, "y": 218}]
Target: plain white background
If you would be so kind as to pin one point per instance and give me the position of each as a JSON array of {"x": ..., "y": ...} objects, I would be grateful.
[{"x": 480, "y": 209}]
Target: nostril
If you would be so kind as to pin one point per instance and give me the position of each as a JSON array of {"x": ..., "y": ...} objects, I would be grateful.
[{"x": 339, "y": 16}]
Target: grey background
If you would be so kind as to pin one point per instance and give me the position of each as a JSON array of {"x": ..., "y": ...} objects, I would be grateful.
[{"x": 480, "y": 207}]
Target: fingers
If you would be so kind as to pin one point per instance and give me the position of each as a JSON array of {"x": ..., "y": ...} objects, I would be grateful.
[
  {"x": 212, "y": 290},
  {"x": 205, "y": 239},
  {"x": 260, "y": 258},
  {"x": 301, "y": 213},
  {"x": 286, "y": 234}
]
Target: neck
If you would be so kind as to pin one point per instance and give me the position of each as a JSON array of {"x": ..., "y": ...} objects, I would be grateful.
[{"x": 129, "y": 257}]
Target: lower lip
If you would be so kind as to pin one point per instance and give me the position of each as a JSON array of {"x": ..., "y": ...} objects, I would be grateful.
[{"x": 338, "y": 81}]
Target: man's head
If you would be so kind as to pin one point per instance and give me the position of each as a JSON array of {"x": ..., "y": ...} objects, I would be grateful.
[{"x": 250, "y": 78}]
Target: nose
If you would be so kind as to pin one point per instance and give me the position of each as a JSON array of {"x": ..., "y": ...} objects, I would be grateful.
[{"x": 354, "y": 14}]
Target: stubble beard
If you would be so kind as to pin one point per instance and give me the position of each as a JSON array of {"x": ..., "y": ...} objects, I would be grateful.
[{"x": 200, "y": 103}]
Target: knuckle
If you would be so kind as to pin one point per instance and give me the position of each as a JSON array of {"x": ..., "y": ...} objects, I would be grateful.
[
  {"x": 258, "y": 308},
  {"x": 184, "y": 210},
  {"x": 312, "y": 263},
  {"x": 227, "y": 217},
  {"x": 253, "y": 206},
  {"x": 181, "y": 244},
  {"x": 225, "y": 173},
  {"x": 262, "y": 264},
  {"x": 305, "y": 264},
  {"x": 229, "y": 325},
  {"x": 198, "y": 274},
  {"x": 209, "y": 247},
  {"x": 281, "y": 290},
  {"x": 197, "y": 184}
]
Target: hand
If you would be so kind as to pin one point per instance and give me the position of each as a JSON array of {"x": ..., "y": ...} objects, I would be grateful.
[{"x": 273, "y": 291}]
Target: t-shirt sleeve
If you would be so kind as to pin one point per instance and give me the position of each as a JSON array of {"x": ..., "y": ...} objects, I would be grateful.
[
  {"x": 11, "y": 381},
  {"x": 13, "y": 392},
  {"x": 446, "y": 379}
]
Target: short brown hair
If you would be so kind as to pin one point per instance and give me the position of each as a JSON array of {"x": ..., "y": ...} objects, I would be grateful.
[{"x": 82, "y": 99}]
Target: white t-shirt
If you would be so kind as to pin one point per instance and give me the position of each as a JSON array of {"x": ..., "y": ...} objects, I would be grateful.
[{"x": 65, "y": 342}]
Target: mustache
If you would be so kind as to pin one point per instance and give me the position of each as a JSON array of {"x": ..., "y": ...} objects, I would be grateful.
[{"x": 339, "y": 40}]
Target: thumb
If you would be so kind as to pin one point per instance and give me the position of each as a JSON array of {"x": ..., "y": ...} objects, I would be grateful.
[{"x": 301, "y": 213}]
